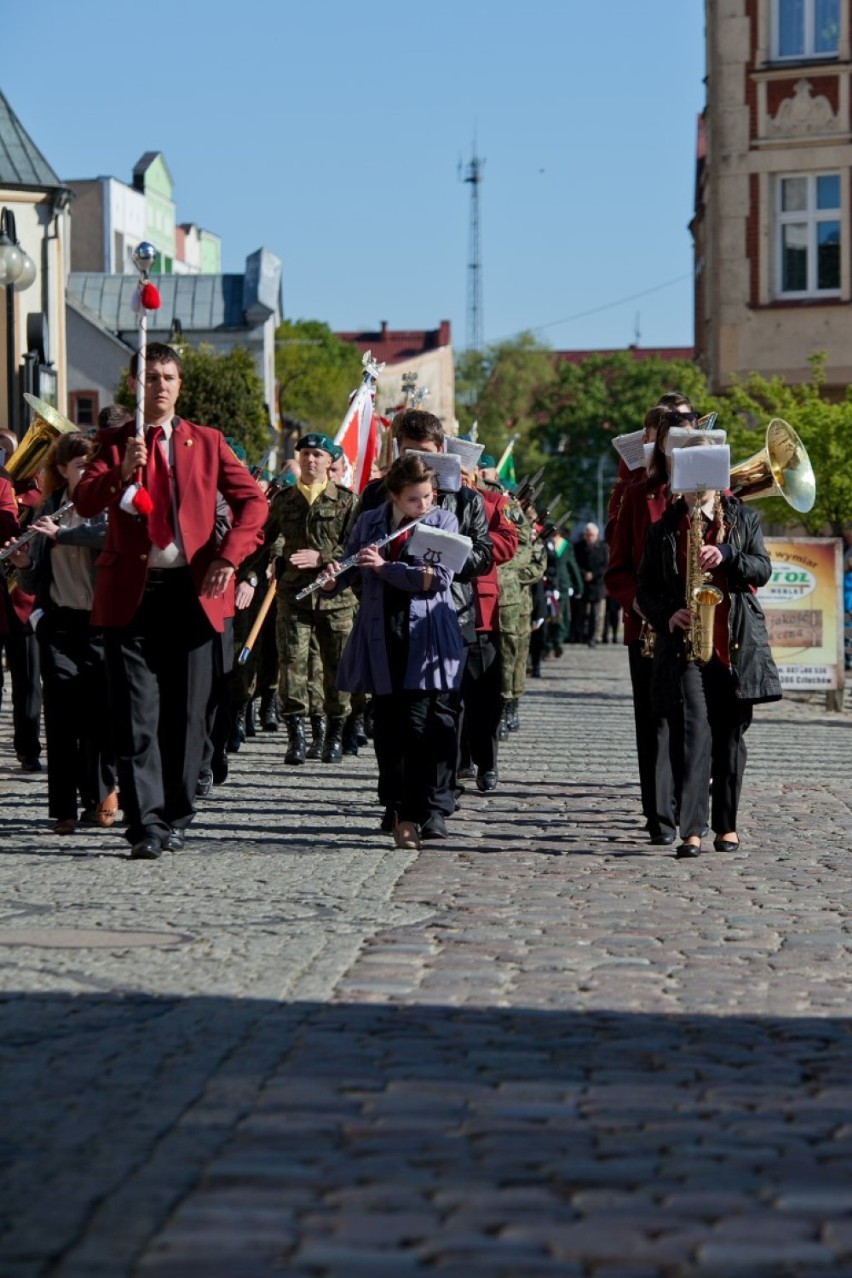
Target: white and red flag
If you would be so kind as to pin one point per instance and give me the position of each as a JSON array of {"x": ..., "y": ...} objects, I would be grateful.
[{"x": 359, "y": 432}]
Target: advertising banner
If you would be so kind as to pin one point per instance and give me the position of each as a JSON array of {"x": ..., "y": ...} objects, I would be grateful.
[{"x": 803, "y": 604}]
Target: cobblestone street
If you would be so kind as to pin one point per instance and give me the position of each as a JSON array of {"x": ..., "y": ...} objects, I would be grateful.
[{"x": 542, "y": 1047}]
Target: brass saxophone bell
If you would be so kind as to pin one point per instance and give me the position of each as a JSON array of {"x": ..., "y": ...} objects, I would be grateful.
[{"x": 705, "y": 600}]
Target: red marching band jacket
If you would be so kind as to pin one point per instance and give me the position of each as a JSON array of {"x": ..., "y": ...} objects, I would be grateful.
[
  {"x": 639, "y": 508},
  {"x": 9, "y": 529},
  {"x": 504, "y": 538},
  {"x": 203, "y": 464}
]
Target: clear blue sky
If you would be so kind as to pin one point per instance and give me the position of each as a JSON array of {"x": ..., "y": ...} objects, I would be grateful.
[{"x": 331, "y": 132}]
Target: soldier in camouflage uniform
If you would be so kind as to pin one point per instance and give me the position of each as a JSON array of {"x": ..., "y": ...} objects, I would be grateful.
[
  {"x": 308, "y": 527},
  {"x": 515, "y": 579}
]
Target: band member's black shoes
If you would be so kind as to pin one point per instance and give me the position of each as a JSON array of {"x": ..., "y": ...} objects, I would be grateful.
[{"x": 145, "y": 850}]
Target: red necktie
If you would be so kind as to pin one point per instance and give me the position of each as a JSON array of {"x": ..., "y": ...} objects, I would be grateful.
[
  {"x": 158, "y": 481},
  {"x": 397, "y": 546}
]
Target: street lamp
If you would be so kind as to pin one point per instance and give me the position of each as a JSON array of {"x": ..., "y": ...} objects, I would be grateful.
[{"x": 17, "y": 272}]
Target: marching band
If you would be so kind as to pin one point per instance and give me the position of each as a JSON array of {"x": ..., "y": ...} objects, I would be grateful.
[{"x": 410, "y": 614}]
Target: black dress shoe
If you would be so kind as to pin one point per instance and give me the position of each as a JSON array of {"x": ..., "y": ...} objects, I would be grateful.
[
  {"x": 29, "y": 763},
  {"x": 174, "y": 841},
  {"x": 726, "y": 845},
  {"x": 204, "y": 784},
  {"x": 486, "y": 780},
  {"x": 688, "y": 850},
  {"x": 435, "y": 827},
  {"x": 662, "y": 840},
  {"x": 145, "y": 850},
  {"x": 219, "y": 767},
  {"x": 388, "y": 820}
]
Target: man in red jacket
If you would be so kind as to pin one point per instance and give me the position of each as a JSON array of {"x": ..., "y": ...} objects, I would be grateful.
[
  {"x": 163, "y": 590},
  {"x": 482, "y": 704}
]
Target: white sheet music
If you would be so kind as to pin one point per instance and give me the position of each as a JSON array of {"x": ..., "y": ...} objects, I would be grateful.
[
  {"x": 447, "y": 468},
  {"x": 703, "y": 468},
  {"x": 437, "y": 546},
  {"x": 466, "y": 449},
  {"x": 630, "y": 449}
]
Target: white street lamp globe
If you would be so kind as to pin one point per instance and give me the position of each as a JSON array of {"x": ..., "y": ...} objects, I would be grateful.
[
  {"x": 11, "y": 262},
  {"x": 27, "y": 275}
]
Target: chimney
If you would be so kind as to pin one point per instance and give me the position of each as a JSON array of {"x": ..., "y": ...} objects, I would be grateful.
[{"x": 384, "y": 331}]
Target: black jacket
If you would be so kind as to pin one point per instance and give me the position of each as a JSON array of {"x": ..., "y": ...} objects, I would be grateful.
[
  {"x": 660, "y": 593},
  {"x": 469, "y": 509},
  {"x": 38, "y": 578}
]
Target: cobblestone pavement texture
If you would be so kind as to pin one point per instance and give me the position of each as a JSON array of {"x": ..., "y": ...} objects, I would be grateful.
[{"x": 539, "y": 1048}]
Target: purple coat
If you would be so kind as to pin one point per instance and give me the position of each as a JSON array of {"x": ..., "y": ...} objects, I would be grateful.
[{"x": 435, "y": 647}]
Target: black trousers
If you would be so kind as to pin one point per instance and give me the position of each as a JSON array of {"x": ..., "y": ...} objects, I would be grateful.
[
  {"x": 160, "y": 671},
  {"x": 22, "y": 659},
  {"x": 411, "y": 733},
  {"x": 708, "y": 741},
  {"x": 656, "y": 779},
  {"x": 219, "y": 706},
  {"x": 76, "y": 714},
  {"x": 445, "y": 729},
  {"x": 481, "y": 702}
]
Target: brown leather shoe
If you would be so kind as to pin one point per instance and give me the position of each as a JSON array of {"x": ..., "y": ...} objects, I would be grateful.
[
  {"x": 66, "y": 825},
  {"x": 406, "y": 835},
  {"x": 107, "y": 810}
]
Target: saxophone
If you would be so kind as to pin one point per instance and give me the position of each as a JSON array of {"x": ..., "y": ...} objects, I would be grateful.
[{"x": 702, "y": 598}]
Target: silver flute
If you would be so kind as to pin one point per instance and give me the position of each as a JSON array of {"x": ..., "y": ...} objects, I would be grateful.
[
  {"x": 346, "y": 564},
  {"x": 34, "y": 532}
]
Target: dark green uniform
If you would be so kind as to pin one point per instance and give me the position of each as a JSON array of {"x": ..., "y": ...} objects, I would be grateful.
[
  {"x": 294, "y": 525},
  {"x": 514, "y": 615}
]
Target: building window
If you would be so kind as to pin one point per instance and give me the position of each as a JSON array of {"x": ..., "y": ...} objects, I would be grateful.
[
  {"x": 808, "y": 221},
  {"x": 807, "y": 28},
  {"x": 83, "y": 407}
]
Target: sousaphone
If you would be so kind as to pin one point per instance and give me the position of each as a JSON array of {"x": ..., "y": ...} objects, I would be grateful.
[
  {"x": 46, "y": 427},
  {"x": 781, "y": 469}
]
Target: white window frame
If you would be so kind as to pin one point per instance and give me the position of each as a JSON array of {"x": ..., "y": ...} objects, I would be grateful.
[
  {"x": 812, "y": 217},
  {"x": 807, "y": 53}
]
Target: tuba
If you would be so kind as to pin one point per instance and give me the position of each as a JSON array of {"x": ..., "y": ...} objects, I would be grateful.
[
  {"x": 781, "y": 469},
  {"x": 46, "y": 427}
]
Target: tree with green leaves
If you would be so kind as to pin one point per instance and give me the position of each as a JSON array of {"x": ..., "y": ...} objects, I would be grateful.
[
  {"x": 316, "y": 374},
  {"x": 825, "y": 428},
  {"x": 584, "y": 406},
  {"x": 498, "y": 389},
  {"x": 224, "y": 391}
]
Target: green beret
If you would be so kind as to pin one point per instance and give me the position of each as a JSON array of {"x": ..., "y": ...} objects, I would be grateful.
[
  {"x": 486, "y": 460},
  {"x": 336, "y": 452},
  {"x": 314, "y": 440}
]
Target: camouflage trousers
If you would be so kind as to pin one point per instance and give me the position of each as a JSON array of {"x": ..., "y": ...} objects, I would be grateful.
[{"x": 295, "y": 627}]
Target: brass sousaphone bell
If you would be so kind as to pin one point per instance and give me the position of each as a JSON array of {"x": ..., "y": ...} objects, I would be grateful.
[
  {"x": 781, "y": 469},
  {"x": 46, "y": 426}
]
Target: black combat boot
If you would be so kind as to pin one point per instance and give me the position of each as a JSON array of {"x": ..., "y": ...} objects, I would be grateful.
[
  {"x": 503, "y": 726},
  {"x": 333, "y": 749},
  {"x": 270, "y": 718},
  {"x": 353, "y": 733},
  {"x": 513, "y": 723},
  {"x": 318, "y": 726},
  {"x": 297, "y": 747},
  {"x": 251, "y": 730},
  {"x": 238, "y": 729}
]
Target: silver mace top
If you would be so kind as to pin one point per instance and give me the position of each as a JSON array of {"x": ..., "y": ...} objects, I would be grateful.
[{"x": 144, "y": 256}]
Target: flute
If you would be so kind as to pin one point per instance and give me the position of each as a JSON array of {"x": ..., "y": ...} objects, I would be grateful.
[
  {"x": 34, "y": 532},
  {"x": 346, "y": 564}
]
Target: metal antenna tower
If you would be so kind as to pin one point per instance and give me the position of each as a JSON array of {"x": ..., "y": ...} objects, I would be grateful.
[{"x": 474, "y": 175}]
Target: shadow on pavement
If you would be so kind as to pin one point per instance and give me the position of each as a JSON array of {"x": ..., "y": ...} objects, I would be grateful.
[{"x": 249, "y": 1137}]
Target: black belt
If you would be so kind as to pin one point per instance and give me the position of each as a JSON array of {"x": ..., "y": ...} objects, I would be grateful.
[{"x": 159, "y": 576}]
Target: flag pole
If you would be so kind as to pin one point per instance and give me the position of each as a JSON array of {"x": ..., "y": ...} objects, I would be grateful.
[{"x": 507, "y": 452}]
